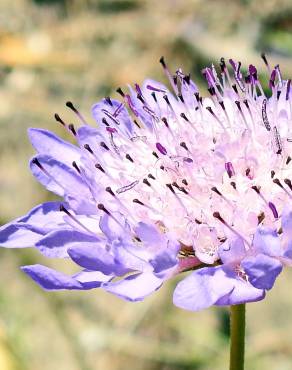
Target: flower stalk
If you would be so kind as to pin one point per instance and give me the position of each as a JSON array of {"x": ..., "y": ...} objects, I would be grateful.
[{"x": 237, "y": 337}]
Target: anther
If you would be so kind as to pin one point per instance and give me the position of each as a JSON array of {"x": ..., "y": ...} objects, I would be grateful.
[
  {"x": 103, "y": 145},
  {"x": 145, "y": 181},
  {"x": 184, "y": 117},
  {"x": 63, "y": 209},
  {"x": 170, "y": 188},
  {"x": 72, "y": 128},
  {"x": 140, "y": 97},
  {"x": 154, "y": 96},
  {"x": 129, "y": 158},
  {"x": 263, "y": 56},
  {"x": 218, "y": 216},
  {"x": 74, "y": 164},
  {"x": 165, "y": 97},
  {"x": 288, "y": 160},
  {"x": 233, "y": 184},
  {"x": 37, "y": 163},
  {"x": 108, "y": 100},
  {"x": 289, "y": 183},
  {"x": 59, "y": 119},
  {"x": 138, "y": 201},
  {"x": 70, "y": 105},
  {"x": 104, "y": 121},
  {"x": 151, "y": 176},
  {"x": 120, "y": 91},
  {"x": 235, "y": 88},
  {"x": 184, "y": 181},
  {"x": 164, "y": 120},
  {"x": 216, "y": 190},
  {"x": 184, "y": 145},
  {"x": 109, "y": 190},
  {"x": 187, "y": 79},
  {"x": 222, "y": 65},
  {"x": 162, "y": 62},
  {"x": 99, "y": 167},
  {"x": 278, "y": 182},
  {"x": 181, "y": 98},
  {"x": 272, "y": 174},
  {"x": 155, "y": 155},
  {"x": 102, "y": 208},
  {"x": 256, "y": 189},
  {"x": 87, "y": 147}
]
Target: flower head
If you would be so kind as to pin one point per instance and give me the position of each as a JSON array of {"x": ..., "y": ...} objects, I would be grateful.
[{"x": 169, "y": 182}]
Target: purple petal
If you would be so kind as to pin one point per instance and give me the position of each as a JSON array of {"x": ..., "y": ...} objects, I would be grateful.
[
  {"x": 148, "y": 233},
  {"x": 202, "y": 288},
  {"x": 56, "y": 243},
  {"x": 232, "y": 251},
  {"x": 243, "y": 292},
  {"x": 163, "y": 261},
  {"x": 266, "y": 241},
  {"x": 45, "y": 142},
  {"x": 91, "y": 279},
  {"x": 114, "y": 228},
  {"x": 50, "y": 279},
  {"x": 58, "y": 177},
  {"x": 134, "y": 287},
  {"x": 287, "y": 222},
  {"x": 27, "y": 230},
  {"x": 94, "y": 256},
  {"x": 262, "y": 270}
]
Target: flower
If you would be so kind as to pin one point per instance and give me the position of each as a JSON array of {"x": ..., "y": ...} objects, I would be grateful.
[{"x": 174, "y": 183}]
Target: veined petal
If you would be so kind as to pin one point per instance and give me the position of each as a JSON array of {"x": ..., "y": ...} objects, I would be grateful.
[
  {"x": 134, "y": 287},
  {"x": 58, "y": 177},
  {"x": 27, "y": 230},
  {"x": 262, "y": 270},
  {"x": 232, "y": 251},
  {"x": 45, "y": 142},
  {"x": 56, "y": 243},
  {"x": 266, "y": 241},
  {"x": 50, "y": 279},
  {"x": 95, "y": 256},
  {"x": 202, "y": 288}
]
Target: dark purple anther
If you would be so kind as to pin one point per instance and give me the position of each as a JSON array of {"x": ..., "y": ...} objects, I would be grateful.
[
  {"x": 229, "y": 169},
  {"x": 161, "y": 148},
  {"x": 131, "y": 105},
  {"x": 208, "y": 74},
  {"x": 111, "y": 130},
  {"x": 253, "y": 73},
  {"x": 273, "y": 209},
  {"x": 288, "y": 89},
  {"x": 138, "y": 89},
  {"x": 233, "y": 64},
  {"x": 272, "y": 79},
  {"x": 118, "y": 110},
  {"x": 153, "y": 88}
]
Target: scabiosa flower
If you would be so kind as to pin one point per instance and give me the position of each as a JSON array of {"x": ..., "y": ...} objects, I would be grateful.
[{"x": 169, "y": 182}]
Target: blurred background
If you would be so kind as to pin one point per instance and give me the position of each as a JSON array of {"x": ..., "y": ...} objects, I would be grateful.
[{"x": 81, "y": 50}]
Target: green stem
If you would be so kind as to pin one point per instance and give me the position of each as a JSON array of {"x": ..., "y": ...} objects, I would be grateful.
[{"x": 237, "y": 336}]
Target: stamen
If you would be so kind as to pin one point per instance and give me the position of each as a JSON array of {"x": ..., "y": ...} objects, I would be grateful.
[
  {"x": 65, "y": 210},
  {"x": 59, "y": 119},
  {"x": 265, "y": 116},
  {"x": 127, "y": 187},
  {"x": 72, "y": 128},
  {"x": 129, "y": 158},
  {"x": 99, "y": 167},
  {"x": 70, "y": 105},
  {"x": 74, "y": 164}
]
